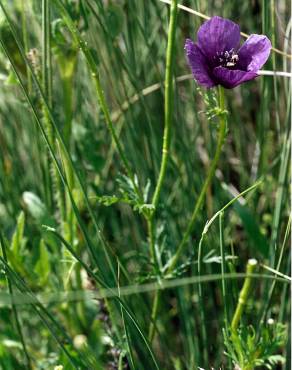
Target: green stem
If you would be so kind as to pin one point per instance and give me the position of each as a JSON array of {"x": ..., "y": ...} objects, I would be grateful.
[
  {"x": 46, "y": 83},
  {"x": 150, "y": 227},
  {"x": 25, "y": 40},
  {"x": 168, "y": 116},
  {"x": 223, "y": 269},
  {"x": 168, "y": 101},
  {"x": 109, "y": 122},
  {"x": 211, "y": 173},
  {"x": 69, "y": 220},
  {"x": 45, "y": 45},
  {"x": 244, "y": 294},
  {"x": 154, "y": 313}
]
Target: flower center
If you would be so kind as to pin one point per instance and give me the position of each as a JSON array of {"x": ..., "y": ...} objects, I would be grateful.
[{"x": 226, "y": 58}]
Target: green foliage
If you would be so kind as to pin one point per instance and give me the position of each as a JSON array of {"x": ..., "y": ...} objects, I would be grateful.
[
  {"x": 43, "y": 267},
  {"x": 249, "y": 349},
  {"x": 129, "y": 195}
]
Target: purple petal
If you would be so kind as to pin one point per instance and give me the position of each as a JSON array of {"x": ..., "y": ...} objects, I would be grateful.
[
  {"x": 254, "y": 52},
  {"x": 230, "y": 78},
  {"x": 218, "y": 35},
  {"x": 198, "y": 64}
]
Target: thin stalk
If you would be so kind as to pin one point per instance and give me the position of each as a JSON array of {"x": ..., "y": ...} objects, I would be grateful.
[
  {"x": 48, "y": 172},
  {"x": 69, "y": 220},
  {"x": 168, "y": 102},
  {"x": 151, "y": 237},
  {"x": 280, "y": 194},
  {"x": 45, "y": 45},
  {"x": 25, "y": 40},
  {"x": 126, "y": 331},
  {"x": 46, "y": 76},
  {"x": 168, "y": 117},
  {"x": 272, "y": 286},
  {"x": 223, "y": 282},
  {"x": 244, "y": 294},
  {"x": 14, "y": 309},
  {"x": 154, "y": 313},
  {"x": 211, "y": 173},
  {"x": 272, "y": 15}
]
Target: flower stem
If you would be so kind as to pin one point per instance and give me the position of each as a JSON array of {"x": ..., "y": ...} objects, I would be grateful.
[
  {"x": 168, "y": 101},
  {"x": 168, "y": 112},
  {"x": 154, "y": 313},
  {"x": 244, "y": 293},
  {"x": 199, "y": 203},
  {"x": 168, "y": 116}
]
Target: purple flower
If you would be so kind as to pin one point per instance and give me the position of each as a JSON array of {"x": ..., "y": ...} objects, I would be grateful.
[{"x": 216, "y": 59}]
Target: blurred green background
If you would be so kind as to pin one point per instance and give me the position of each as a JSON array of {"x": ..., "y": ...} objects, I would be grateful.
[{"x": 127, "y": 41}]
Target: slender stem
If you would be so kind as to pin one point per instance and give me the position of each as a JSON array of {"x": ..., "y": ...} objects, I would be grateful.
[
  {"x": 211, "y": 173},
  {"x": 168, "y": 117},
  {"x": 44, "y": 78},
  {"x": 168, "y": 113},
  {"x": 112, "y": 130},
  {"x": 25, "y": 40},
  {"x": 150, "y": 228},
  {"x": 244, "y": 294},
  {"x": 46, "y": 84},
  {"x": 274, "y": 64},
  {"x": 45, "y": 46},
  {"x": 154, "y": 313},
  {"x": 168, "y": 101},
  {"x": 46, "y": 50},
  {"x": 222, "y": 254}
]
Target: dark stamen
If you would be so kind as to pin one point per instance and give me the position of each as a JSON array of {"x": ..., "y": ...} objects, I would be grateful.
[{"x": 226, "y": 58}]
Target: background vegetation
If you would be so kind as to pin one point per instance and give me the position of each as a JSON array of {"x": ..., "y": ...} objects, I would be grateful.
[{"x": 81, "y": 130}]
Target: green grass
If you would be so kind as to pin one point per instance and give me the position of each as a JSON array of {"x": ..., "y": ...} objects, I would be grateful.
[{"x": 121, "y": 247}]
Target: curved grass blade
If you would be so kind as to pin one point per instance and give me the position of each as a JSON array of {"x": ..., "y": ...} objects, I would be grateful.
[{"x": 14, "y": 309}]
